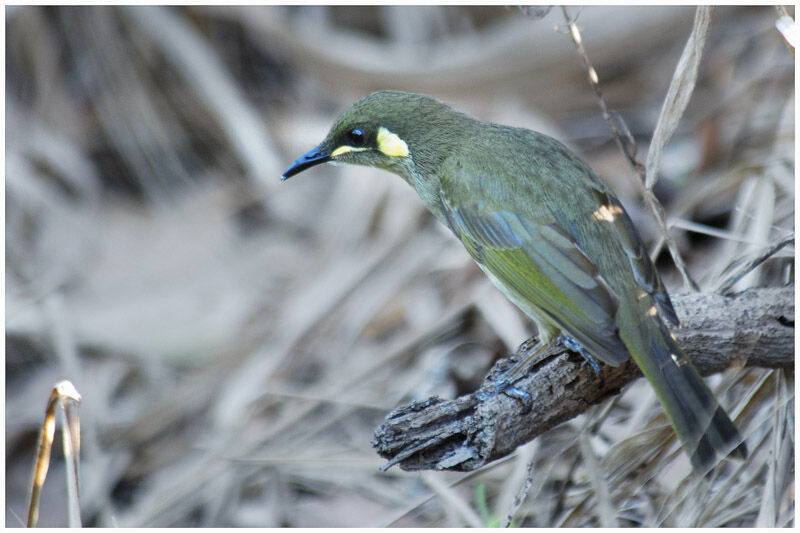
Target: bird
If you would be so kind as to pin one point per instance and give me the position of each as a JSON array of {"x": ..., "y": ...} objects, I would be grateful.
[{"x": 549, "y": 233}]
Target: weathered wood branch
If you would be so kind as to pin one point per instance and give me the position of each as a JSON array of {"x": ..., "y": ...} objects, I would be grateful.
[{"x": 754, "y": 328}]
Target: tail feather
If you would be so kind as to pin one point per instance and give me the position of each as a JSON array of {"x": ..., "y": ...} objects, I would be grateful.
[{"x": 705, "y": 430}]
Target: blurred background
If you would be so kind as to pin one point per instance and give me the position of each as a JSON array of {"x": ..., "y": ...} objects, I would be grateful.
[{"x": 236, "y": 340}]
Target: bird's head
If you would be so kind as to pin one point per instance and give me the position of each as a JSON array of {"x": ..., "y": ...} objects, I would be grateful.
[{"x": 401, "y": 132}]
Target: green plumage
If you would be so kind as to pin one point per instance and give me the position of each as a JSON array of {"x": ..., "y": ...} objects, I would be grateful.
[{"x": 549, "y": 233}]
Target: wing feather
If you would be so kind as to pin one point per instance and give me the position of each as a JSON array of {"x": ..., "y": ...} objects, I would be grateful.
[{"x": 544, "y": 271}]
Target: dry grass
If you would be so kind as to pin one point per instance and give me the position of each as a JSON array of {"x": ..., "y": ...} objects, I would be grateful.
[{"x": 236, "y": 341}]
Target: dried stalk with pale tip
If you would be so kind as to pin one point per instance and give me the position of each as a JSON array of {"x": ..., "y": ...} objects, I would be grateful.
[{"x": 65, "y": 395}]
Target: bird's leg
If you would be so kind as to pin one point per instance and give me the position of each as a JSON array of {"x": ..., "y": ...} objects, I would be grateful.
[
  {"x": 504, "y": 382},
  {"x": 534, "y": 354},
  {"x": 574, "y": 346}
]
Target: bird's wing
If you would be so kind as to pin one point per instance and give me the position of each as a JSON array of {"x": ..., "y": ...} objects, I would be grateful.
[
  {"x": 642, "y": 267},
  {"x": 541, "y": 267}
]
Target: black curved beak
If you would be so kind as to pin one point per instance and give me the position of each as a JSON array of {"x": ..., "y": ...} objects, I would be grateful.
[{"x": 315, "y": 156}]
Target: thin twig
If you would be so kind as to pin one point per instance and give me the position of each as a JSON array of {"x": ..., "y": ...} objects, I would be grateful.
[
  {"x": 71, "y": 437},
  {"x": 628, "y": 147},
  {"x": 750, "y": 265}
]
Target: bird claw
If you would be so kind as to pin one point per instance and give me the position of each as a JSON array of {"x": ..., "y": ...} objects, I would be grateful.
[
  {"x": 574, "y": 346},
  {"x": 521, "y": 395},
  {"x": 503, "y": 385}
]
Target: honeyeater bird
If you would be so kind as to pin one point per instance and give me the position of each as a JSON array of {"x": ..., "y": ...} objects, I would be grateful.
[{"x": 551, "y": 236}]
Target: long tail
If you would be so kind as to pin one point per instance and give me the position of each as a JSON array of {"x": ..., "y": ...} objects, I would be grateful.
[{"x": 706, "y": 432}]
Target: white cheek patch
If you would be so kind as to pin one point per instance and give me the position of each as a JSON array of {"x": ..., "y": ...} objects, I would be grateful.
[{"x": 390, "y": 144}]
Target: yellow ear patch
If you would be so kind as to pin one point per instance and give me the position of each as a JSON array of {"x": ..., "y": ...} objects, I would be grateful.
[{"x": 390, "y": 144}]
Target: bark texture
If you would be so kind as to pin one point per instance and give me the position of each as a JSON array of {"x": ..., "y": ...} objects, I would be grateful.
[{"x": 754, "y": 328}]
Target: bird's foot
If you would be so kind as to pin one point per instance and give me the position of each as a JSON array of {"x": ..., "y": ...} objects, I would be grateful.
[
  {"x": 518, "y": 394},
  {"x": 574, "y": 346},
  {"x": 504, "y": 385}
]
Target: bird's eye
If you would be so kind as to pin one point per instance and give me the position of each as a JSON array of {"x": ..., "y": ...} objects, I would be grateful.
[{"x": 356, "y": 137}]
